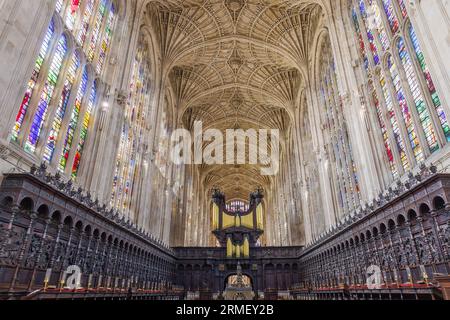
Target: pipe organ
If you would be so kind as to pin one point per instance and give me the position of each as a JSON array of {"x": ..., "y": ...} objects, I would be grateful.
[{"x": 237, "y": 228}]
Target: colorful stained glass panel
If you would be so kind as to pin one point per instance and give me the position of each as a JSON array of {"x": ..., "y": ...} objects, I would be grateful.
[
  {"x": 46, "y": 95},
  {"x": 32, "y": 82}
]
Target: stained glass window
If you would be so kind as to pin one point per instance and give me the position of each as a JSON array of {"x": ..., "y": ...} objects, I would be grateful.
[
  {"x": 72, "y": 14},
  {"x": 401, "y": 4},
  {"x": 236, "y": 206},
  {"x": 163, "y": 148},
  {"x": 378, "y": 24},
  {"x": 84, "y": 130},
  {"x": 96, "y": 30},
  {"x": 62, "y": 107},
  {"x": 129, "y": 156},
  {"x": 370, "y": 36},
  {"x": 106, "y": 39},
  {"x": 399, "y": 83},
  {"x": 338, "y": 140},
  {"x": 59, "y": 6},
  {"x": 362, "y": 46},
  {"x": 429, "y": 82},
  {"x": 34, "y": 78},
  {"x": 82, "y": 33},
  {"x": 88, "y": 25},
  {"x": 419, "y": 101},
  {"x": 47, "y": 94},
  {"x": 372, "y": 21},
  {"x": 392, "y": 117},
  {"x": 404, "y": 107},
  {"x": 73, "y": 122},
  {"x": 391, "y": 16},
  {"x": 387, "y": 143}
]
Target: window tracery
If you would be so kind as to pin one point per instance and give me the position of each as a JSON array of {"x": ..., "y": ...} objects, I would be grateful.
[
  {"x": 411, "y": 116},
  {"x": 339, "y": 145},
  {"x": 55, "y": 115},
  {"x": 130, "y": 152}
]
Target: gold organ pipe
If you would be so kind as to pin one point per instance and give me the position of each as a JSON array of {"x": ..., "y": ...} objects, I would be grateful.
[
  {"x": 237, "y": 221},
  {"x": 215, "y": 216},
  {"x": 247, "y": 221},
  {"x": 228, "y": 221},
  {"x": 246, "y": 248},
  {"x": 238, "y": 252},
  {"x": 259, "y": 217},
  {"x": 230, "y": 248}
]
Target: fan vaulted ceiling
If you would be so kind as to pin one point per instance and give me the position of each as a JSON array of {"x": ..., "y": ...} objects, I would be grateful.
[{"x": 236, "y": 64}]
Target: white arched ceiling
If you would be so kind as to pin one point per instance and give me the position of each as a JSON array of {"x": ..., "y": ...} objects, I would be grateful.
[{"x": 236, "y": 64}]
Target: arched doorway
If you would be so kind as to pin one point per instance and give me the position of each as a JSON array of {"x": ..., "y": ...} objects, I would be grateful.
[
  {"x": 238, "y": 286},
  {"x": 233, "y": 280}
]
